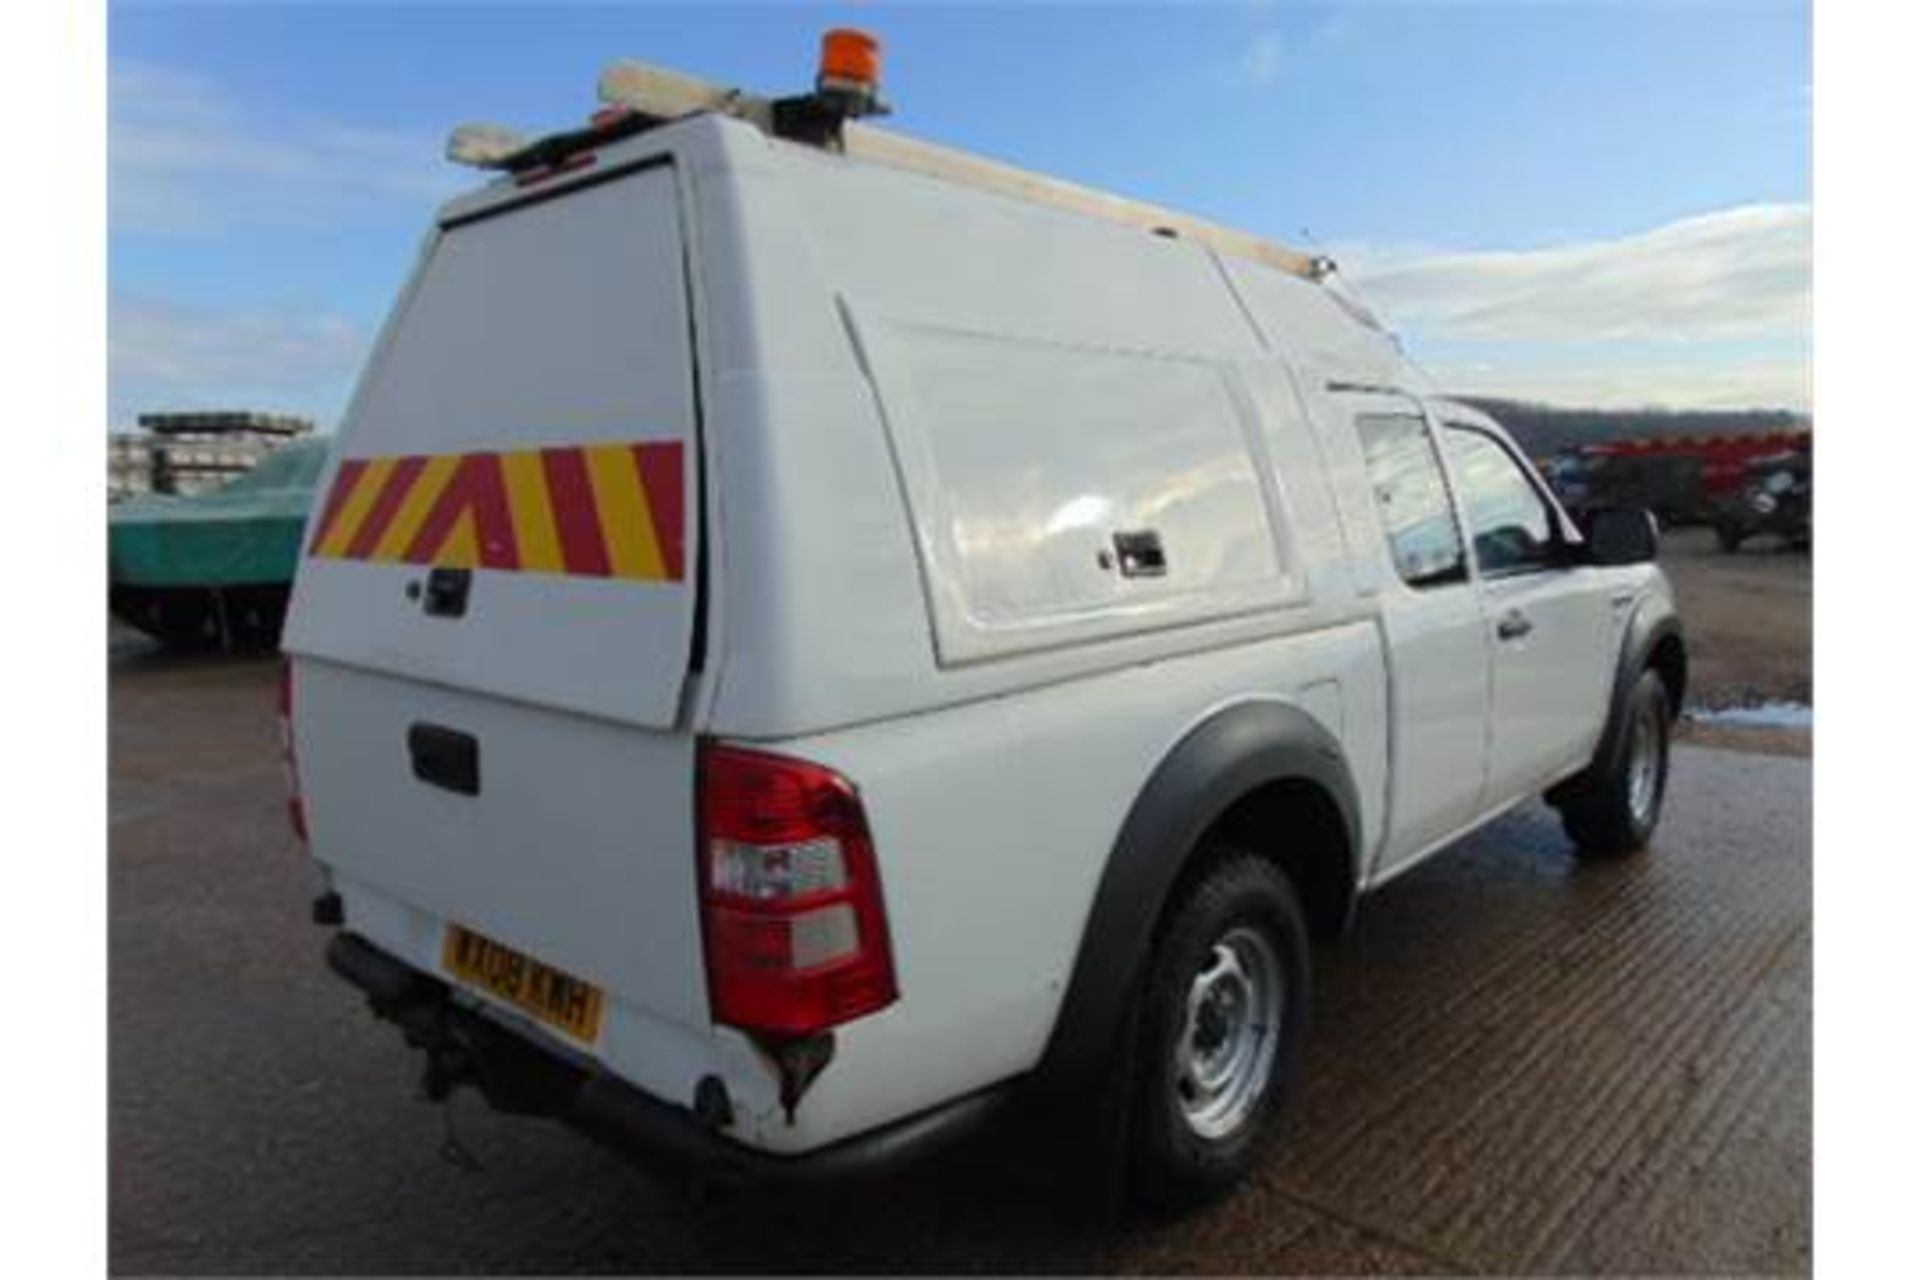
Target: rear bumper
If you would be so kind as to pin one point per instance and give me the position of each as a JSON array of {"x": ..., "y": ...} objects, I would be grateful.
[{"x": 518, "y": 1075}]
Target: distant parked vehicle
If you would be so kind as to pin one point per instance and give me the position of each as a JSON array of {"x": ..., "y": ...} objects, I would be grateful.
[
  {"x": 212, "y": 571},
  {"x": 1777, "y": 499},
  {"x": 1685, "y": 480}
]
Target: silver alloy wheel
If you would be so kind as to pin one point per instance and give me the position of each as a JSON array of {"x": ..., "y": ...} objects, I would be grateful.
[
  {"x": 1229, "y": 1037},
  {"x": 1645, "y": 757}
]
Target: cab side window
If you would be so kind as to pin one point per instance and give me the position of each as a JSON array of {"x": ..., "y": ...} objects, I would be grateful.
[
  {"x": 1410, "y": 493},
  {"x": 1512, "y": 526}
]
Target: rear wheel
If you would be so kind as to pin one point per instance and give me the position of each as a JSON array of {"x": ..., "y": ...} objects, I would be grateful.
[
  {"x": 1613, "y": 811},
  {"x": 1222, "y": 1019}
]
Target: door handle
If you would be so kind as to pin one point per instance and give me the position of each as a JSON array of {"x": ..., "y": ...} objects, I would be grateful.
[
  {"x": 1514, "y": 625},
  {"x": 1141, "y": 555},
  {"x": 447, "y": 591},
  {"x": 445, "y": 758}
]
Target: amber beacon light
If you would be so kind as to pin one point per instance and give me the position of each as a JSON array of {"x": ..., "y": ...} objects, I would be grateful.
[{"x": 849, "y": 64}]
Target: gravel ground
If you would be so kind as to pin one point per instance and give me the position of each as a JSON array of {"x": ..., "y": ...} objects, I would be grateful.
[
  {"x": 1749, "y": 618},
  {"x": 1519, "y": 1064}
]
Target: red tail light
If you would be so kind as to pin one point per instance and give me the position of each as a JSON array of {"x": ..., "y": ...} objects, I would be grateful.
[
  {"x": 796, "y": 930},
  {"x": 296, "y": 807}
]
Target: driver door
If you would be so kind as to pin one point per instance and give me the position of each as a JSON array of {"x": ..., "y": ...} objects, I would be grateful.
[{"x": 1549, "y": 628}]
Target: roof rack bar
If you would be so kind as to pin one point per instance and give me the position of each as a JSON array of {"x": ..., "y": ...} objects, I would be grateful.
[
  {"x": 933, "y": 160},
  {"x": 659, "y": 94}
]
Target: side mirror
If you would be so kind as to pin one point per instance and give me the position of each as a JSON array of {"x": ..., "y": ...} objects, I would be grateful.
[{"x": 1622, "y": 537}]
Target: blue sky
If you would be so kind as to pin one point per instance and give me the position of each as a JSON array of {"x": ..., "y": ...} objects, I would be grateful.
[{"x": 1603, "y": 203}]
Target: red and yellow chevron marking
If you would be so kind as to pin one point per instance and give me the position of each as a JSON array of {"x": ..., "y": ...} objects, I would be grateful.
[{"x": 602, "y": 511}]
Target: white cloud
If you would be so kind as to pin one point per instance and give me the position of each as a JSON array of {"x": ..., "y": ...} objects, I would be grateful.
[
  {"x": 182, "y": 155},
  {"x": 1710, "y": 311},
  {"x": 164, "y": 356},
  {"x": 1739, "y": 273},
  {"x": 1780, "y": 383}
]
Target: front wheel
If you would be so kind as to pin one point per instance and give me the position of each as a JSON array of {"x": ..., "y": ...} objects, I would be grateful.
[
  {"x": 1613, "y": 808},
  {"x": 1222, "y": 1020}
]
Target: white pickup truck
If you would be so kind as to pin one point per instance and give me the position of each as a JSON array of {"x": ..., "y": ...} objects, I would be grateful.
[{"x": 806, "y": 640}]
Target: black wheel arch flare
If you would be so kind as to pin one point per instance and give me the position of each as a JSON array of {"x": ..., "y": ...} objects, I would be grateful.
[
  {"x": 1231, "y": 755},
  {"x": 1654, "y": 639}
]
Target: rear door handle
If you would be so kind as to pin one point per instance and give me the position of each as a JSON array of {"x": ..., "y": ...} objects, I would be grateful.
[
  {"x": 447, "y": 591},
  {"x": 445, "y": 758},
  {"x": 1514, "y": 625}
]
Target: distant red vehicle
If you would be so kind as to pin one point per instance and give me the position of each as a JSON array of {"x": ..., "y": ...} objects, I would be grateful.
[
  {"x": 1685, "y": 479},
  {"x": 1723, "y": 459}
]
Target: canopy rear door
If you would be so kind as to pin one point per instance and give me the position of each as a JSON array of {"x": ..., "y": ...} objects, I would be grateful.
[{"x": 512, "y": 509}]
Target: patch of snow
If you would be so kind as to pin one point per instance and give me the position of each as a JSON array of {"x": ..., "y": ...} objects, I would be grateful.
[{"x": 1765, "y": 715}]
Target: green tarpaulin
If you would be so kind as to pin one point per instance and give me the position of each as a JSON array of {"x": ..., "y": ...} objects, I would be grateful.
[{"x": 245, "y": 533}]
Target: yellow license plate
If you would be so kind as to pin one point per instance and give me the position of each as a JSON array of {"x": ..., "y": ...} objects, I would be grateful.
[{"x": 555, "y": 998}]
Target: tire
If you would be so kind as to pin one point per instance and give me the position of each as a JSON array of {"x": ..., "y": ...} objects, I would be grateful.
[
  {"x": 1612, "y": 814},
  {"x": 1730, "y": 537},
  {"x": 1234, "y": 947}
]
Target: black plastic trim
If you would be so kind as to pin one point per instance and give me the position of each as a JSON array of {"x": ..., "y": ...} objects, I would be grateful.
[
  {"x": 658, "y": 1134},
  {"x": 1230, "y": 755},
  {"x": 689, "y": 265},
  {"x": 563, "y": 185},
  {"x": 1645, "y": 630}
]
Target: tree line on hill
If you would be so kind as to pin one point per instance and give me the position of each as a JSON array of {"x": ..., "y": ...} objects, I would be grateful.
[{"x": 1543, "y": 429}]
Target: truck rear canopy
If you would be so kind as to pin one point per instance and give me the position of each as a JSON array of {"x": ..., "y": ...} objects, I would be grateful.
[{"x": 528, "y": 418}]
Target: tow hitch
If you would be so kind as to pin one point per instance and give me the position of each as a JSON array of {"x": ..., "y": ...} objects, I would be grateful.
[{"x": 462, "y": 1048}]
